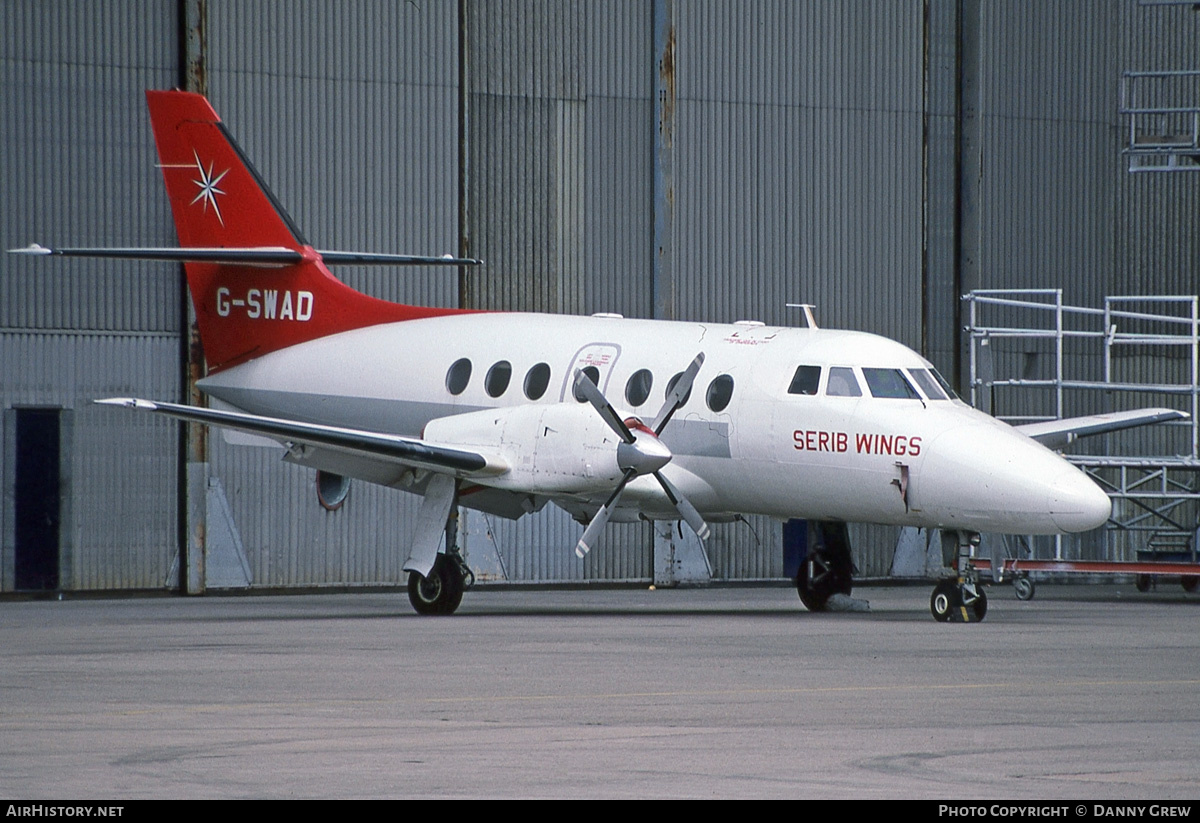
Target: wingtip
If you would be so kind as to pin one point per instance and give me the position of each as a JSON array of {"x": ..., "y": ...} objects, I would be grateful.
[
  {"x": 32, "y": 248},
  {"x": 126, "y": 402}
]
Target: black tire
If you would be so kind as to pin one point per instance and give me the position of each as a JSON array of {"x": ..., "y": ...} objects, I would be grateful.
[
  {"x": 838, "y": 579},
  {"x": 439, "y": 593},
  {"x": 1190, "y": 584},
  {"x": 1023, "y": 587},
  {"x": 812, "y": 601},
  {"x": 977, "y": 609},
  {"x": 945, "y": 600},
  {"x": 1143, "y": 582}
]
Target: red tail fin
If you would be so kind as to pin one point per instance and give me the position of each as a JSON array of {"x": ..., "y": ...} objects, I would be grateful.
[{"x": 219, "y": 201}]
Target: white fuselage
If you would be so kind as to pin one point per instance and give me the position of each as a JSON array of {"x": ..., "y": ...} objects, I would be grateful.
[{"x": 911, "y": 460}]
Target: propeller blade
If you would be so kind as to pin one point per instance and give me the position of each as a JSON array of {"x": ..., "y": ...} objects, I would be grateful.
[
  {"x": 680, "y": 390},
  {"x": 598, "y": 522},
  {"x": 600, "y": 403},
  {"x": 640, "y": 457},
  {"x": 685, "y": 508},
  {"x": 591, "y": 533}
]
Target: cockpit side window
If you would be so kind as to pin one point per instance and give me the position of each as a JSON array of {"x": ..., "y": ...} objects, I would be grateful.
[
  {"x": 889, "y": 383},
  {"x": 928, "y": 385},
  {"x": 805, "y": 380},
  {"x": 842, "y": 383},
  {"x": 945, "y": 386}
]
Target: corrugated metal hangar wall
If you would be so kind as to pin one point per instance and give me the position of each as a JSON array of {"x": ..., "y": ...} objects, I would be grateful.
[{"x": 703, "y": 160}]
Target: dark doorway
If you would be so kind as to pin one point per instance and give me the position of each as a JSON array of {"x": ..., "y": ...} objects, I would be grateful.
[{"x": 38, "y": 499}]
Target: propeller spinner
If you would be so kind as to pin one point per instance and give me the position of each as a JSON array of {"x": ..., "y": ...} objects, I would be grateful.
[{"x": 641, "y": 452}]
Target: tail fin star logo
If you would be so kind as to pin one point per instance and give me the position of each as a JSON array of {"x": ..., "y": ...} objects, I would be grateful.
[{"x": 208, "y": 187}]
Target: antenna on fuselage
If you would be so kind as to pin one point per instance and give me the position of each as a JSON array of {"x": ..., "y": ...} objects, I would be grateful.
[{"x": 808, "y": 313}]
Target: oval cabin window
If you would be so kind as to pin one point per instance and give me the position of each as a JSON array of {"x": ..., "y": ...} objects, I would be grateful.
[
  {"x": 458, "y": 376},
  {"x": 496, "y": 380},
  {"x": 720, "y": 392},
  {"x": 537, "y": 379},
  {"x": 637, "y": 390}
]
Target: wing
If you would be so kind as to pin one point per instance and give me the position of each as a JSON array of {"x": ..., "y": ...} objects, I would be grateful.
[
  {"x": 297, "y": 435},
  {"x": 1058, "y": 433}
]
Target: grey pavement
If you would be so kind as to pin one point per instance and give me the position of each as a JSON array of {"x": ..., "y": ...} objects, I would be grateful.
[{"x": 1083, "y": 692}]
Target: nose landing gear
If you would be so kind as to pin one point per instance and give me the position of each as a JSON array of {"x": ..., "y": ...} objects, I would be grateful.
[{"x": 960, "y": 599}]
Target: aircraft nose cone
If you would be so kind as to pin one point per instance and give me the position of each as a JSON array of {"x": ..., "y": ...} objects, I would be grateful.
[
  {"x": 988, "y": 477},
  {"x": 1077, "y": 504}
]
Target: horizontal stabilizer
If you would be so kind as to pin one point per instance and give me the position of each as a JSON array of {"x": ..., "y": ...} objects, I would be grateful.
[
  {"x": 258, "y": 256},
  {"x": 252, "y": 256},
  {"x": 361, "y": 258},
  {"x": 409, "y": 451},
  {"x": 1057, "y": 433}
]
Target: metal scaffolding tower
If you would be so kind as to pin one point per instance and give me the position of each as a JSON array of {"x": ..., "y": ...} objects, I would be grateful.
[
  {"x": 1034, "y": 358},
  {"x": 1163, "y": 114}
]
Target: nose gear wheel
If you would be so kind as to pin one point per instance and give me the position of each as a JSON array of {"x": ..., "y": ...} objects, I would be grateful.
[{"x": 958, "y": 601}]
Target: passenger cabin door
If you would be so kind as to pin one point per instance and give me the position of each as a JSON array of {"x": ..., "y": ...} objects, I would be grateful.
[{"x": 596, "y": 360}]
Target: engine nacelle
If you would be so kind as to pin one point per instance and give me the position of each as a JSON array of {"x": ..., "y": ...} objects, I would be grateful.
[{"x": 560, "y": 448}]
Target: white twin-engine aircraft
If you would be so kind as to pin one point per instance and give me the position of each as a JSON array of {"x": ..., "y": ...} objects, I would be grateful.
[{"x": 609, "y": 418}]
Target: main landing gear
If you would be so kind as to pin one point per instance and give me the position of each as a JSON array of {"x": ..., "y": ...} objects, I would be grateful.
[
  {"x": 959, "y": 599},
  {"x": 827, "y": 568},
  {"x": 442, "y": 590}
]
